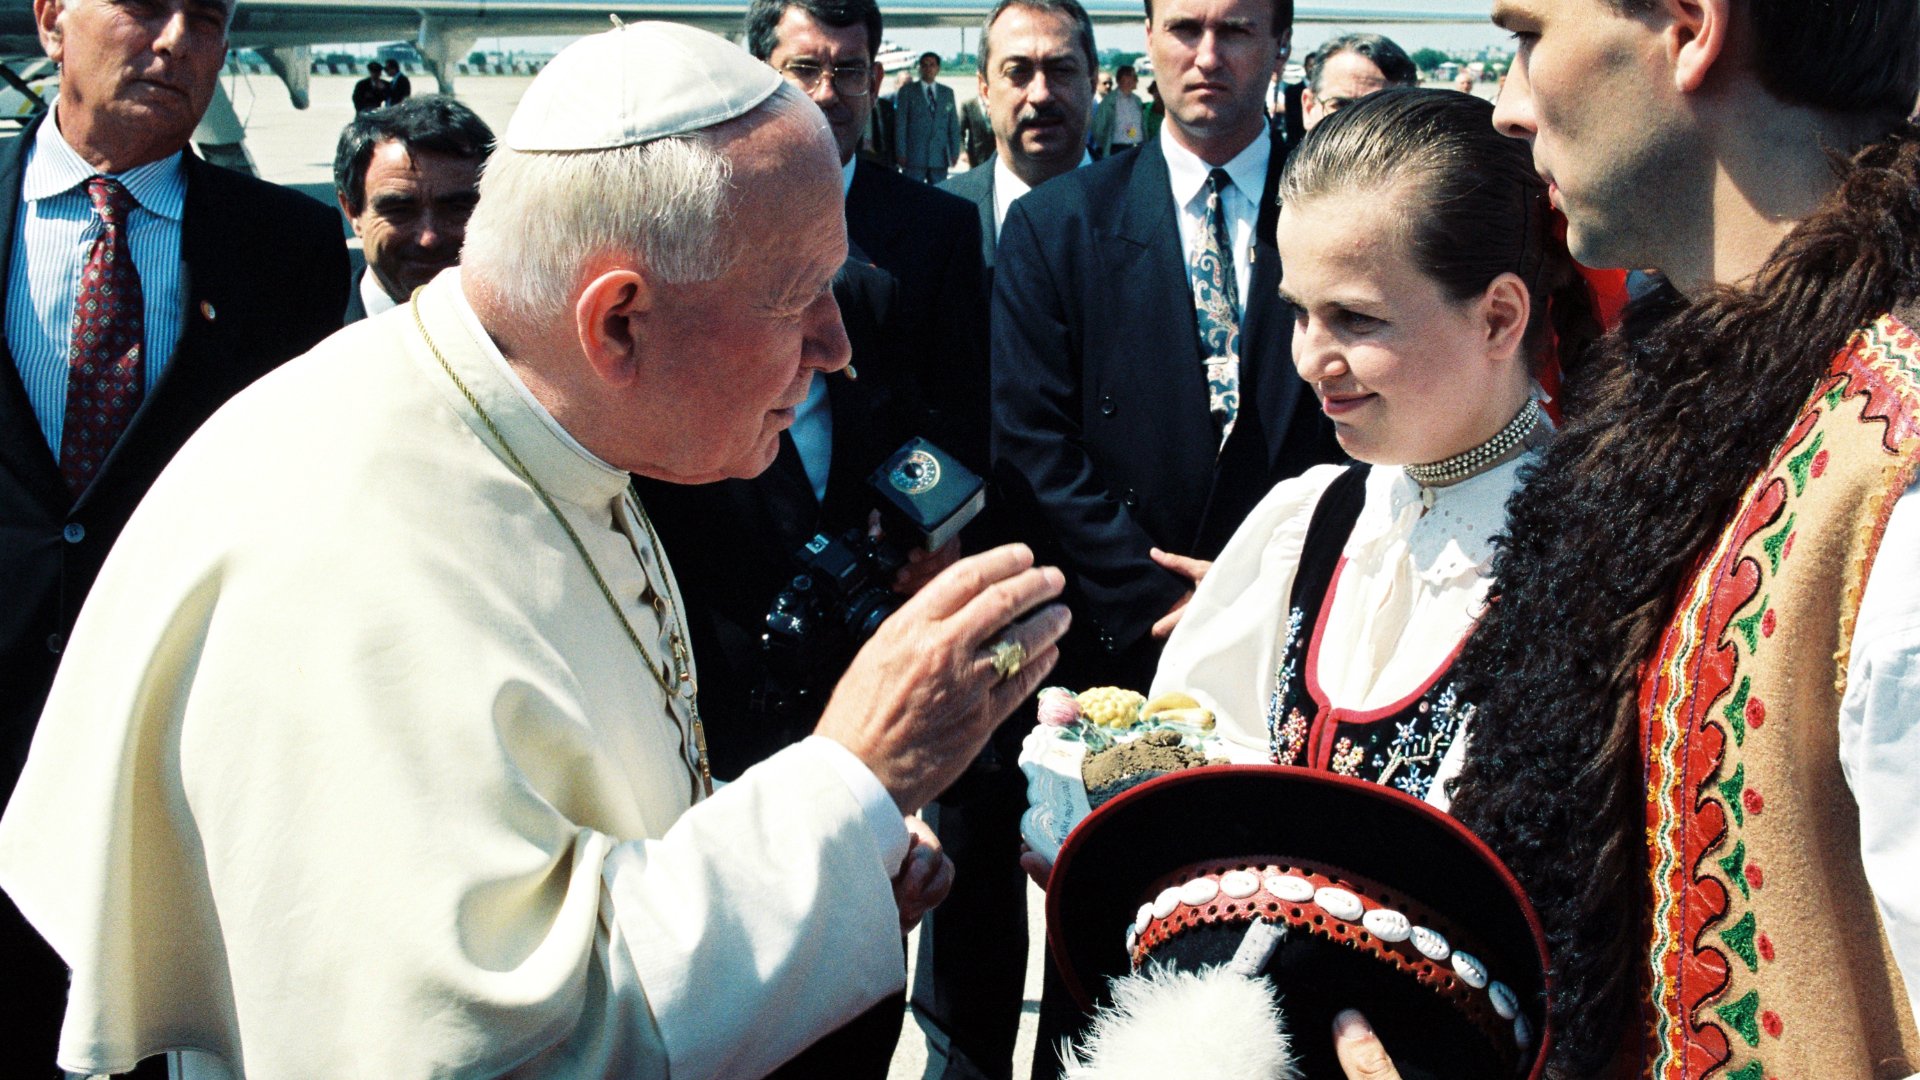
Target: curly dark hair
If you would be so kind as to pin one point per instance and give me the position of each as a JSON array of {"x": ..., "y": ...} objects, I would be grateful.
[{"x": 1674, "y": 417}]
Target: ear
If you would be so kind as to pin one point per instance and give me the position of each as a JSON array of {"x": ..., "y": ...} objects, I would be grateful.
[
  {"x": 46, "y": 19},
  {"x": 1505, "y": 306},
  {"x": 347, "y": 212},
  {"x": 1696, "y": 38},
  {"x": 1307, "y": 101},
  {"x": 608, "y": 318},
  {"x": 1282, "y": 48},
  {"x": 980, "y": 79},
  {"x": 879, "y": 76}
]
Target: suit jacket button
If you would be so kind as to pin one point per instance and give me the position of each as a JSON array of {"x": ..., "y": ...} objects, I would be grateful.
[
  {"x": 55, "y": 643},
  {"x": 1131, "y": 499},
  {"x": 1107, "y": 407},
  {"x": 74, "y": 532}
]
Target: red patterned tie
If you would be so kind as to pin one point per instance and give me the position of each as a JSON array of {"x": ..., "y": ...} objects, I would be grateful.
[{"x": 104, "y": 362}]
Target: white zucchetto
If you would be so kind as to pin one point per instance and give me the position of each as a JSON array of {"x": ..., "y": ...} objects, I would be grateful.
[{"x": 636, "y": 83}]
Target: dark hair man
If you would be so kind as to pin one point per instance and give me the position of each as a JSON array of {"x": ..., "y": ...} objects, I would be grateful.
[
  {"x": 926, "y": 127},
  {"x": 1036, "y": 67},
  {"x": 399, "y": 87},
  {"x": 371, "y": 92},
  {"x": 407, "y": 178},
  {"x": 1120, "y": 123},
  {"x": 198, "y": 280},
  {"x": 1125, "y": 430},
  {"x": 1347, "y": 68},
  {"x": 1716, "y": 570}
]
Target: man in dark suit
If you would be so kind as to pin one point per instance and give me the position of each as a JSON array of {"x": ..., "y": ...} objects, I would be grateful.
[
  {"x": 926, "y": 125},
  {"x": 399, "y": 87},
  {"x": 407, "y": 178},
  {"x": 143, "y": 288},
  {"x": 1037, "y": 66},
  {"x": 1036, "y": 79},
  {"x": 926, "y": 239},
  {"x": 1118, "y": 427},
  {"x": 1144, "y": 397},
  {"x": 371, "y": 92}
]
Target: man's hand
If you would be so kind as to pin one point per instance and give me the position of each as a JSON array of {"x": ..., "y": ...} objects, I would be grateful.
[
  {"x": 925, "y": 877},
  {"x": 1193, "y": 570},
  {"x": 1359, "y": 1050},
  {"x": 1037, "y": 866},
  {"x": 918, "y": 702},
  {"x": 923, "y": 566}
]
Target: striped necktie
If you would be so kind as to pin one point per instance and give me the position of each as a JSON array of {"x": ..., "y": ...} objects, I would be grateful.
[
  {"x": 1216, "y": 302},
  {"x": 105, "y": 365}
]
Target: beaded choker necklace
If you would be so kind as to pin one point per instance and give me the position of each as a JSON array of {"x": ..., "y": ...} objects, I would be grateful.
[{"x": 1482, "y": 457}]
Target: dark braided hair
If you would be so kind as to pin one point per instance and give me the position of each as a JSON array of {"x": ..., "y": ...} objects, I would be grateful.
[
  {"x": 1474, "y": 208},
  {"x": 1672, "y": 421}
]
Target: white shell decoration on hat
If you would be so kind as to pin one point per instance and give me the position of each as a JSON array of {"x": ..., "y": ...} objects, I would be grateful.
[
  {"x": 1239, "y": 884},
  {"x": 1431, "y": 944},
  {"x": 1339, "y": 903},
  {"x": 1199, "y": 892},
  {"x": 1289, "y": 887},
  {"x": 1386, "y": 924},
  {"x": 1470, "y": 969}
]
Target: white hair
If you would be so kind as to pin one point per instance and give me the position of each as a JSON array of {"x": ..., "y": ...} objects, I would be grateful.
[{"x": 542, "y": 217}]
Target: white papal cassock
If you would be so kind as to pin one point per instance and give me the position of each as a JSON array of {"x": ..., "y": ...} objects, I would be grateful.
[{"x": 350, "y": 770}]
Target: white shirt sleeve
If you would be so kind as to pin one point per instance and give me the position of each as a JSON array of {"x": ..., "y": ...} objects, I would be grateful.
[
  {"x": 1880, "y": 734},
  {"x": 764, "y": 918}
]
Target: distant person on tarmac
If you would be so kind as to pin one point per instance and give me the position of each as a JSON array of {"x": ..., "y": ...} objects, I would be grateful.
[
  {"x": 399, "y": 87},
  {"x": 371, "y": 92}
]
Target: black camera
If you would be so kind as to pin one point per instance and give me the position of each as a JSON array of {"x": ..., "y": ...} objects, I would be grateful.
[{"x": 842, "y": 588}]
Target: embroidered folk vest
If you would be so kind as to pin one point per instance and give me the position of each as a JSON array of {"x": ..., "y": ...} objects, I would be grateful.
[
  {"x": 1401, "y": 743},
  {"x": 1767, "y": 958}
]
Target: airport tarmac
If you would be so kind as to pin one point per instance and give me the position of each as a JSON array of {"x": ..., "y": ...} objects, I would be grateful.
[{"x": 295, "y": 147}]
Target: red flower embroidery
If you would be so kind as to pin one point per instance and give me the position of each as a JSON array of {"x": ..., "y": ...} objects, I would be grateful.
[
  {"x": 1754, "y": 877},
  {"x": 1770, "y": 1020},
  {"x": 1756, "y": 712},
  {"x": 1753, "y": 800},
  {"x": 1788, "y": 549},
  {"x": 1767, "y": 623},
  {"x": 1766, "y": 948},
  {"x": 1820, "y": 463}
]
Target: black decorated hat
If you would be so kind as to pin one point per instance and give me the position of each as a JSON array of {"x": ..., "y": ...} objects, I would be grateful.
[{"x": 1378, "y": 901}]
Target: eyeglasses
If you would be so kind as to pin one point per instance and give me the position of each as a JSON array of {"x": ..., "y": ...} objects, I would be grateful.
[{"x": 849, "y": 80}]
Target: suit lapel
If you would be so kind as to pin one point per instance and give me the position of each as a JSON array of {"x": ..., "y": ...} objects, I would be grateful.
[
  {"x": 1150, "y": 278},
  {"x": 23, "y": 448}
]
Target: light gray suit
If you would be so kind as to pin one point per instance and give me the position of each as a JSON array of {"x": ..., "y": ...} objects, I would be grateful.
[{"x": 926, "y": 131}]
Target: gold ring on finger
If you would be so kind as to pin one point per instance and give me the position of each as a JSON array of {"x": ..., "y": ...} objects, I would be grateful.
[{"x": 1007, "y": 656}]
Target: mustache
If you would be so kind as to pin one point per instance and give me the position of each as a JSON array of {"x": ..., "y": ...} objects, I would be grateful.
[{"x": 1052, "y": 114}]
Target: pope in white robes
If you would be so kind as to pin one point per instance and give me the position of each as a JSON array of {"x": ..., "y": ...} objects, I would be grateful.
[{"x": 376, "y": 751}]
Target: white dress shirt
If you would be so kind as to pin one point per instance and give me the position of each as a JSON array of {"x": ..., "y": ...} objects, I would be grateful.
[
  {"x": 373, "y": 297},
  {"x": 1007, "y": 186},
  {"x": 54, "y": 227},
  {"x": 1880, "y": 735},
  {"x": 1241, "y": 202}
]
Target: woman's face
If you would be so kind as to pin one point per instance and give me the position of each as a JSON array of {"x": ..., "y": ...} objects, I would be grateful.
[{"x": 1407, "y": 374}]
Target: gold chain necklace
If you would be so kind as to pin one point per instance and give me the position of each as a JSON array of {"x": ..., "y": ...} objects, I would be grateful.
[{"x": 700, "y": 770}]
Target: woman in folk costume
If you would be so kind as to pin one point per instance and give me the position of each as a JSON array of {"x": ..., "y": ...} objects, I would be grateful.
[{"x": 1430, "y": 288}]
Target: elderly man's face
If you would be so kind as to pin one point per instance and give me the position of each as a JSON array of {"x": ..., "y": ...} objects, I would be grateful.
[
  {"x": 413, "y": 214},
  {"x": 1346, "y": 78},
  {"x": 1037, "y": 88},
  {"x": 135, "y": 75},
  {"x": 805, "y": 43},
  {"x": 735, "y": 357}
]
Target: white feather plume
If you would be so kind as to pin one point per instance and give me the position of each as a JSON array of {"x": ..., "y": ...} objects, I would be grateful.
[{"x": 1164, "y": 1023}]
